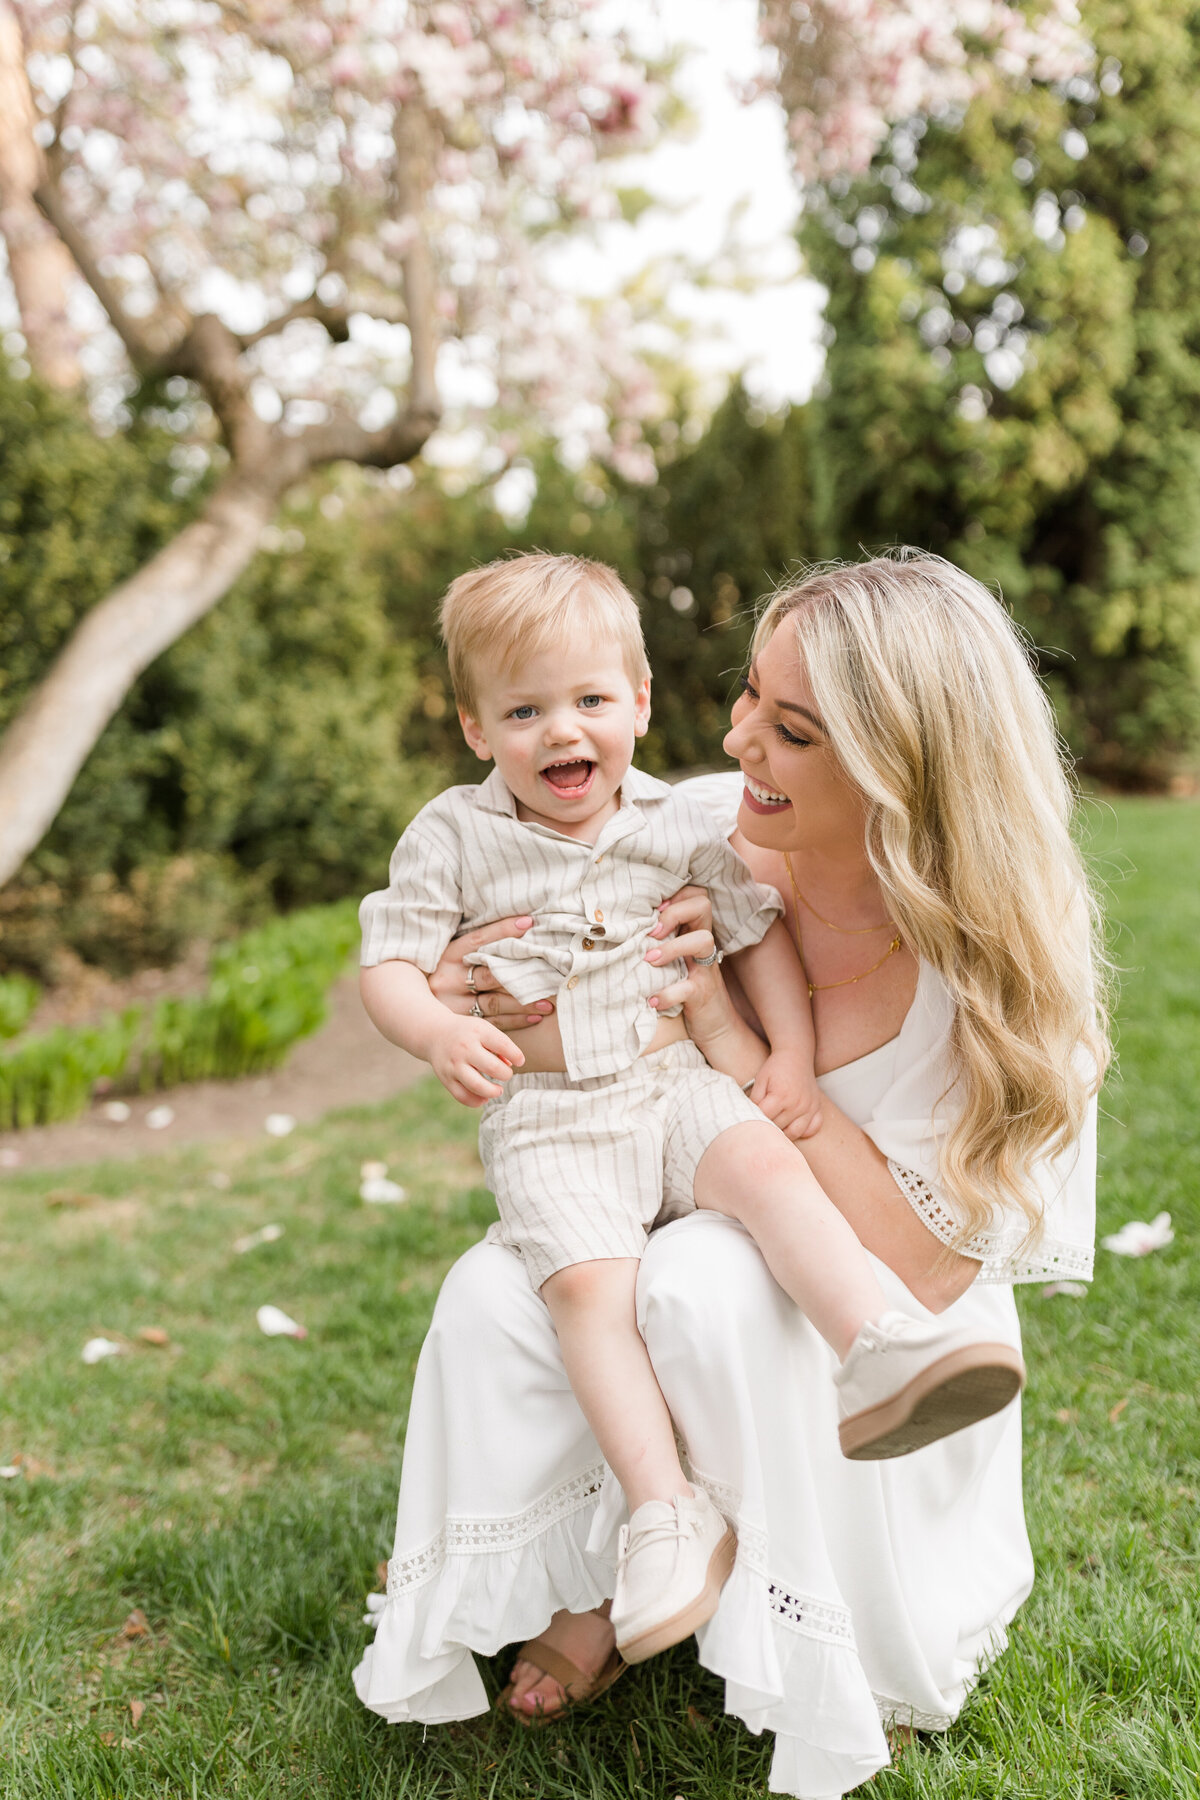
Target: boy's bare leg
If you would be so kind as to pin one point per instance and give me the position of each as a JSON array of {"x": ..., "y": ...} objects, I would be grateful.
[
  {"x": 592, "y": 1305},
  {"x": 754, "y": 1174}
]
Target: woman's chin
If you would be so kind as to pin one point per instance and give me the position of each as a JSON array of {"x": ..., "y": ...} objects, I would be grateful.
[{"x": 766, "y": 825}]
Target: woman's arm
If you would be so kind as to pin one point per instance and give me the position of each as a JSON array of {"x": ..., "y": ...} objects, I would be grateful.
[{"x": 851, "y": 1169}]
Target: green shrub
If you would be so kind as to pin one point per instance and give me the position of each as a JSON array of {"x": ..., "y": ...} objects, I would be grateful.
[
  {"x": 266, "y": 990},
  {"x": 51, "y": 1077},
  {"x": 18, "y": 997}
]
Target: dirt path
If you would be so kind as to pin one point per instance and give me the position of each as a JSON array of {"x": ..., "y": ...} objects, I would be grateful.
[{"x": 346, "y": 1063}]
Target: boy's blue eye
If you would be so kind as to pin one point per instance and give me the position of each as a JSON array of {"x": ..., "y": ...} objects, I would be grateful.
[
  {"x": 592, "y": 700},
  {"x": 522, "y": 712}
]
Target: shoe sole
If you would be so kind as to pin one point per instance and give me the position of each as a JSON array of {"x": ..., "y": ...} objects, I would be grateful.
[
  {"x": 683, "y": 1624},
  {"x": 956, "y": 1391}
]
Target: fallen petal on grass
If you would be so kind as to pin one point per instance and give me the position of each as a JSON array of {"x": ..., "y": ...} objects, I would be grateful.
[
  {"x": 97, "y": 1348},
  {"x": 379, "y": 1191},
  {"x": 272, "y": 1322},
  {"x": 137, "y": 1625},
  {"x": 10, "y": 1471},
  {"x": 136, "y": 1709},
  {"x": 1136, "y": 1238},
  {"x": 279, "y": 1124},
  {"x": 154, "y": 1335},
  {"x": 1067, "y": 1290},
  {"x": 117, "y": 1112},
  {"x": 159, "y": 1117},
  {"x": 269, "y": 1234},
  {"x": 373, "y": 1171}
]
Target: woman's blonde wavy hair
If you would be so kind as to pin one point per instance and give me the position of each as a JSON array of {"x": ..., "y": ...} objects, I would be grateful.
[{"x": 932, "y": 708}]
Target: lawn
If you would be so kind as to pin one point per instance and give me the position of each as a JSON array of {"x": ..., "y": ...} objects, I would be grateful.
[{"x": 238, "y": 1491}]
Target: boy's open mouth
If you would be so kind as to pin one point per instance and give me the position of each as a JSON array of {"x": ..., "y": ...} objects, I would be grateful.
[{"x": 570, "y": 780}]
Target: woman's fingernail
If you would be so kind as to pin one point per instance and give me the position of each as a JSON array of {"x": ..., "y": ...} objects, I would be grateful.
[
  {"x": 523, "y": 921},
  {"x": 653, "y": 955},
  {"x": 546, "y": 1006},
  {"x": 534, "y": 1019}
]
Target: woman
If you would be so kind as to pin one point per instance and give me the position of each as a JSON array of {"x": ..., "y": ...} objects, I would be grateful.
[{"x": 902, "y": 790}]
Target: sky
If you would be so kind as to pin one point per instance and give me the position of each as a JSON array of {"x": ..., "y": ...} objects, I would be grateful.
[{"x": 736, "y": 158}]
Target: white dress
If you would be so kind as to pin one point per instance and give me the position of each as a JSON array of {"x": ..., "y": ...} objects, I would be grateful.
[{"x": 863, "y": 1593}]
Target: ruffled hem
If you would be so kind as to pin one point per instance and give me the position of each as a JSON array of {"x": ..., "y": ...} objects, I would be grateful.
[{"x": 421, "y": 1667}]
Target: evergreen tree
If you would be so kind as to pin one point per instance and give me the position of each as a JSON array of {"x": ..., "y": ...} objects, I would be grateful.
[{"x": 1013, "y": 325}]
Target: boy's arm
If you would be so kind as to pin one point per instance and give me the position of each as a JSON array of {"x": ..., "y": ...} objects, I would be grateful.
[
  {"x": 773, "y": 979},
  {"x": 470, "y": 1057}
]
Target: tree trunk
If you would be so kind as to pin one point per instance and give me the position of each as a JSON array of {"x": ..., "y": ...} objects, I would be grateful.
[
  {"x": 51, "y": 737},
  {"x": 39, "y": 263}
]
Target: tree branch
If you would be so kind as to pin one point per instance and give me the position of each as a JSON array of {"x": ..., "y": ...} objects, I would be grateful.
[
  {"x": 51, "y": 737},
  {"x": 146, "y": 359}
]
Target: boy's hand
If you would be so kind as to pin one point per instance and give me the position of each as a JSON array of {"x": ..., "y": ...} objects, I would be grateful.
[
  {"x": 472, "y": 1058},
  {"x": 785, "y": 1090}
]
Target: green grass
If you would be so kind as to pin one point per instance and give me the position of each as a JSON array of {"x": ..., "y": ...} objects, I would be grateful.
[{"x": 240, "y": 1490}]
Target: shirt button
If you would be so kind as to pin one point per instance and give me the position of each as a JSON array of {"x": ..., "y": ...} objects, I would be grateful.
[
  {"x": 589, "y": 943},
  {"x": 573, "y": 982},
  {"x": 597, "y": 915}
]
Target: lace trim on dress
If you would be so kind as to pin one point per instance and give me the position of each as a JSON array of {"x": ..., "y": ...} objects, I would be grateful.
[
  {"x": 799, "y": 1612},
  {"x": 1006, "y": 1258},
  {"x": 898, "y": 1712},
  {"x": 461, "y": 1536},
  {"x": 811, "y": 1618}
]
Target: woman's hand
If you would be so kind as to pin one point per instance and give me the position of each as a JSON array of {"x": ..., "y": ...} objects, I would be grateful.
[{"x": 450, "y": 985}]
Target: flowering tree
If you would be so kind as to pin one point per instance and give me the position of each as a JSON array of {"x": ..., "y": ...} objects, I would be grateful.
[
  {"x": 299, "y": 209},
  {"x": 291, "y": 206},
  {"x": 847, "y": 70}
]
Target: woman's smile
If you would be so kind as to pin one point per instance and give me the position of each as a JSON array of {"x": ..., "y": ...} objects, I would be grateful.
[{"x": 762, "y": 799}]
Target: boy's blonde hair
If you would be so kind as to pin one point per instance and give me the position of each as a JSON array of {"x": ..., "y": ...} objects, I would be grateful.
[
  {"x": 520, "y": 606},
  {"x": 932, "y": 708}
]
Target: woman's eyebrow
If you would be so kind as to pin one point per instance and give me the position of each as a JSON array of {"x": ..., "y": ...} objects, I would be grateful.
[{"x": 790, "y": 706}]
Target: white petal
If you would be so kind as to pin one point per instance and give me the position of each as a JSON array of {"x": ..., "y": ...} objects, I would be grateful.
[
  {"x": 159, "y": 1117},
  {"x": 117, "y": 1111},
  {"x": 10, "y": 1471},
  {"x": 96, "y": 1349},
  {"x": 279, "y": 1124},
  {"x": 379, "y": 1191},
  {"x": 1136, "y": 1238},
  {"x": 269, "y": 1234},
  {"x": 275, "y": 1323},
  {"x": 1069, "y": 1290}
]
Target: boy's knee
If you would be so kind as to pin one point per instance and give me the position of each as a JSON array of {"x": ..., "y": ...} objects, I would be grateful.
[{"x": 581, "y": 1286}]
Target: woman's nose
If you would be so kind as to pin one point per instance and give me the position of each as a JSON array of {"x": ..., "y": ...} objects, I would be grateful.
[{"x": 739, "y": 742}]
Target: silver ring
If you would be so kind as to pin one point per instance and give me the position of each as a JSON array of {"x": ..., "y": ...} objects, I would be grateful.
[
  {"x": 470, "y": 978},
  {"x": 706, "y": 962},
  {"x": 477, "y": 1011}
]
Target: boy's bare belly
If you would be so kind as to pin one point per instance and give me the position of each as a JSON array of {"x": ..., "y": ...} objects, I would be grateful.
[{"x": 543, "y": 1049}]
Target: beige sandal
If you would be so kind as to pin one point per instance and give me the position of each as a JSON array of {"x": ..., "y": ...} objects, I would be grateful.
[{"x": 576, "y": 1684}]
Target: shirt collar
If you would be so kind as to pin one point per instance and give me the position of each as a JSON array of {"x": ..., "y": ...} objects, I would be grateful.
[{"x": 493, "y": 793}]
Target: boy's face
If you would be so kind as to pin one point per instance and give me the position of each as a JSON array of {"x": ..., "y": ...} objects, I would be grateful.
[{"x": 561, "y": 728}]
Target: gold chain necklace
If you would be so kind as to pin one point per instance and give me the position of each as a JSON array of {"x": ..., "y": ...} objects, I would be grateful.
[{"x": 822, "y": 987}]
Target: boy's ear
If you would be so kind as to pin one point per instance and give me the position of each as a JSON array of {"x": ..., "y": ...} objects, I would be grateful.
[
  {"x": 641, "y": 709},
  {"x": 473, "y": 733}
]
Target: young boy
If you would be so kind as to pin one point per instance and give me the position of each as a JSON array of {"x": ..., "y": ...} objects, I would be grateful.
[{"x": 614, "y": 1120}]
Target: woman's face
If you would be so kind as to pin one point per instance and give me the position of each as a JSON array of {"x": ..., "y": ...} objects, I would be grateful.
[{"x": 797, "y": 796}]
